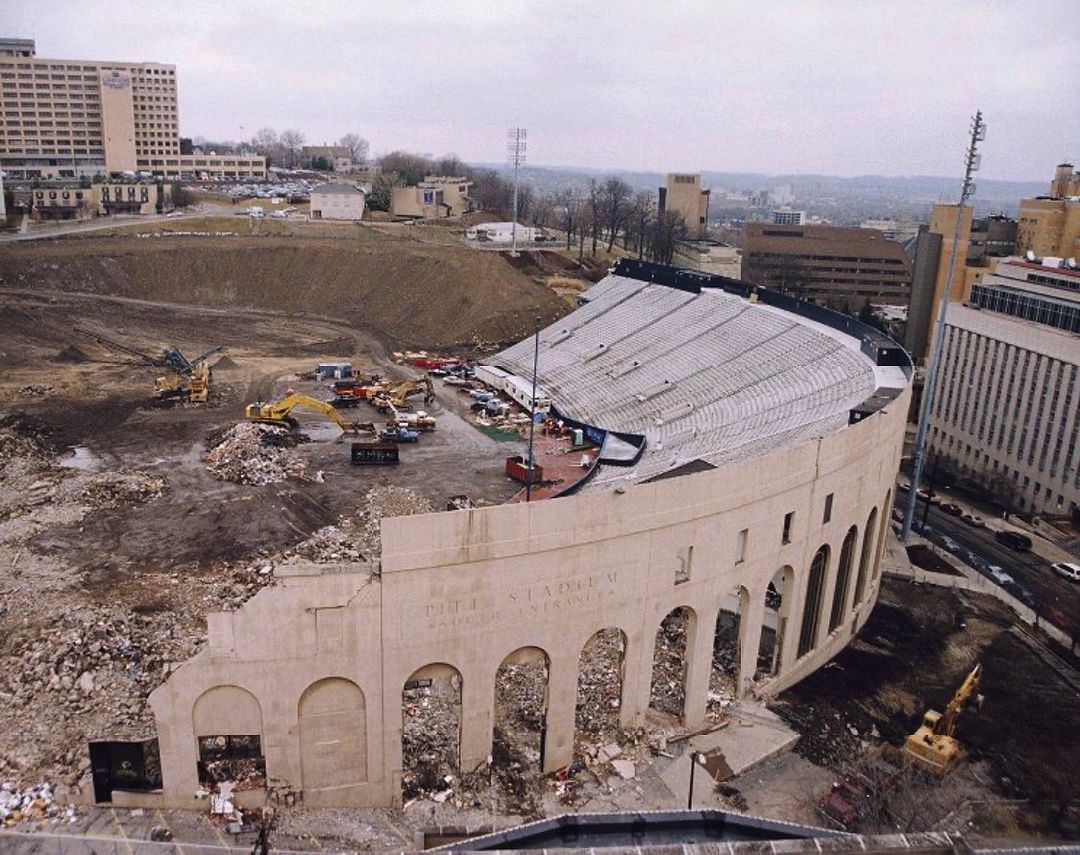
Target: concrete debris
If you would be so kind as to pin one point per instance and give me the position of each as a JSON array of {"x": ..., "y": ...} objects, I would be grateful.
[
  {"x": 624, "y": 768},
  {"x": 668, "y": 692},
  {"x": 254, "y": 453},
  {"x": 600, "y": 686},
  {"x": 35, "y": 804},
  {"x": 429, "y": 739},
  {"x": 113, "y": 489},
  {"x": 35, "y": 391}
]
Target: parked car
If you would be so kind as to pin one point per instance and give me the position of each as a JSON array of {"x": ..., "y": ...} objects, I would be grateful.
[
  {"x": 1067, "y": 570},
  {"x": 999, "y": 575},
  {"x": 953, "y": 510},
  {"x": 1013, "y": 540},
  {"x": 973, "y": 520}
]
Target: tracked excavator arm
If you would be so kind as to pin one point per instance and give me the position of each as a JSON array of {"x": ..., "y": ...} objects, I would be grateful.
[{"x": 280, "y": 412}]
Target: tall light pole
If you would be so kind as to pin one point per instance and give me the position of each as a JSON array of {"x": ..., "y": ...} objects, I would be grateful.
[
  {"x": 515, "y": 156},
  {"x": 971, "y": 164}
]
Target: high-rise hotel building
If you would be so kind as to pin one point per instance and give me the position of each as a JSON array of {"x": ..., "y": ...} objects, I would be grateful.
[{"x": 65, "y": 118}]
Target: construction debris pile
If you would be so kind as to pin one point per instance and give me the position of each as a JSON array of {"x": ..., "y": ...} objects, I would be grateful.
[
  {"x": 113, "y": 489},
  {"x": 668, "y": 692},
  {"x": 34, "y": 804},
  {"x": 600, "y": 686},
  {"x": 519, "y": 721},
  {"x": 385, "y": 500},
  {"x": 254, "y": 453},
  {"x": 429, "y": 737}
]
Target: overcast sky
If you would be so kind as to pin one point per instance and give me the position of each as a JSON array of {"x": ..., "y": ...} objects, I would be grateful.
[{"x": 845, "y": 87}]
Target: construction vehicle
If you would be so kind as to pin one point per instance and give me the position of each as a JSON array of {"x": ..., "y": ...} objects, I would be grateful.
[
  {"x": 280, "y": 413},
  {"x": 349, "y": 393},
  {"x": 419, "y": 421},
  {"x": 399, "y": 434},
  {"x": 189, "y": 378},
  {"x": 934, "y": 744}
]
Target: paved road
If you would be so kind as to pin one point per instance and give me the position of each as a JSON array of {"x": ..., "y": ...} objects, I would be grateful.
[{"x": 1053, "y": 597}]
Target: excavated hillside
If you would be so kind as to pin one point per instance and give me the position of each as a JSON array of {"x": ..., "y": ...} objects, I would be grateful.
[{"x": 409, "y": 293}]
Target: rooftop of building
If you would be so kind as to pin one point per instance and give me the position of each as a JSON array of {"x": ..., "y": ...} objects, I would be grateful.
[
  {"x": 701, "y": 374},
  {"x": 338, "y": 187}
]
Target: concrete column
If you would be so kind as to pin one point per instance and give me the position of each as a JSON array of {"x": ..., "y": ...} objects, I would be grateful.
[
  {"x": 477, "y": 714},
  {"x": 750, "y": 621},
  {"x": 636, "y": 679},
  {"x": 562, "y": 700},
  {"x": 699, "y": 654},
  {"x": 179, "y": 758}
]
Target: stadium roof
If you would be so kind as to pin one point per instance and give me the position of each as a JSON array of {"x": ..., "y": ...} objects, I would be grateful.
[{"x": 704, "y": 375}]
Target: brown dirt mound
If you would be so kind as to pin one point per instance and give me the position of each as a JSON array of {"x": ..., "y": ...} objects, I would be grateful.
[
  {"x": 71, "y": 354},
  {"x": 415, "y": 295},
  {"x": 225, "y": 364}
]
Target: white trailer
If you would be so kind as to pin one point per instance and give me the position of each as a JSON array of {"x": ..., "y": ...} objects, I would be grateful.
[{"x": 492, "y": 377}]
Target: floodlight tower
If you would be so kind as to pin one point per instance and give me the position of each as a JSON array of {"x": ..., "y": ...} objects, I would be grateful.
[
  {"x": 971, "y": 164},
  {"x": 515, "y": 156}
]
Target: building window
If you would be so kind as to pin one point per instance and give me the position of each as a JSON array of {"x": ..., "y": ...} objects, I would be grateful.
[
  {"x": 789, "y": 524},
  {"x": 827, "y": 516},
  {"x": 683, "y": 559},
  {"x": 740, "y": 546}
]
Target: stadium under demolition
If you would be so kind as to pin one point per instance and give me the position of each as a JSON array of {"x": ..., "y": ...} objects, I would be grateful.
[{"x": 255, "y": 613}]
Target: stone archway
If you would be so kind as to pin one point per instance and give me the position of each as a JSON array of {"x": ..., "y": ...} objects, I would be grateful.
[
  {"x": 729, "y": 631},
  {"x": 667, "y": 689},
  {"x": 815, "y": 593},
  {"x": 333, "y": 734},
  {"x": 600, "y": 688},
  {"x": 778, "y": 597}
]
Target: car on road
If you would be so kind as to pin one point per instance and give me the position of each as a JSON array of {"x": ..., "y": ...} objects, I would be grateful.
[
  {"x": 1067, "y": 570},
  {"x": 973, "y": 520},
  {"x": 999, "y": 575},
  {"x": 1013, "y": 540},
  {"x": 172, "y": 215},
  {"x": 953, "y": 510}
]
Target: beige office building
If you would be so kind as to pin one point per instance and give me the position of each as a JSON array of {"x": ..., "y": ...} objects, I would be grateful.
[
  {"x": 1005, "y": 417},
  {"x": 66, "y": 118},
  {"x": 684, "y": 195},
  {"x": 437, "y": 197},
  {"x": 1050, "y": 225}
]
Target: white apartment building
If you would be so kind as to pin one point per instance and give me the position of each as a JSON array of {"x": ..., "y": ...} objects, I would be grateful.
[{"x": 1007, "y": 413}]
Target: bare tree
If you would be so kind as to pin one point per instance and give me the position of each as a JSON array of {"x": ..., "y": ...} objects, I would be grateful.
[
  {"x": 595, "y": 211},
  {"x": 568, "y": 204},
  {"x": 639, "y": 220},
  {"x": 615, "y": 196},
  {"x": 667, "y": 229},
  {"x": 292, "y": 141},
  {"x": 357, "y": 146},
  {"x": 267, "y": 143}
]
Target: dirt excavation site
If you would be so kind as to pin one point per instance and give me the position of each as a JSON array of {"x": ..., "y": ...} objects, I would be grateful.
[{"x": 124, "y": 519}]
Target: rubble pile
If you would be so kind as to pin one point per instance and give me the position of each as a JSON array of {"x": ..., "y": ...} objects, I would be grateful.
[
  {"x": 26, "y": 445},
  {"x": 327, "y": 545},
  {"x": 668, "y": 692},
  {"x": 112, "y": 489},
  {"x": 385, "y": 501},
  {"x": 80, "y": 670},
  {"x": 430, "y": 735},
  {"x": 34, "y": 805},
  {"x": 600, "y": 685},
  {"x": 254, "y": 453}
]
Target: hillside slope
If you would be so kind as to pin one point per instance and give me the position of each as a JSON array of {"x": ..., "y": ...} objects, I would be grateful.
[{"x": 412, "y": 294}]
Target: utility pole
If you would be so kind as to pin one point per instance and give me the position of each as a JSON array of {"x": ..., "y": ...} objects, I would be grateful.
[
  {"x": 532, "y": 410},
  {"x": 515, "y": 156},
  {"x": 971, "y": 164}
]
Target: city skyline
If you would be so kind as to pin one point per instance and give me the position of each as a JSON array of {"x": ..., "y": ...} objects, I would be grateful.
[{"x": 774, "y": 97}]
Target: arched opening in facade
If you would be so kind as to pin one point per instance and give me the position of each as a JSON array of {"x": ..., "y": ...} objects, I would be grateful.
[
  {"x": 843, "y": 579},
  {"x": 866, "y": 556},
  {"x": 430, "y": 729},
  {"x": 774, "y": 622},
  {"x": 728, "y": 640},
  {"x": 667, "y": 692},
  {"x": 227, "y": 721},
  {"x": 600, "y": 688},
  {"x": 886, "y": 515},
  {"x": 521, "y": 700},
  {"x": 815, "y": 592},
  {"x": 333, "y": 735}
]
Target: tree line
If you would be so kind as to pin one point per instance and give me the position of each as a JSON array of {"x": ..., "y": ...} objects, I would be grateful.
[{"x": 594, "y": 214}]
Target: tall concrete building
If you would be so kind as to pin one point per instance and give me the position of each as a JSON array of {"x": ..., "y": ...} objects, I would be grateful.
[
  {"x": 980, "y": 244},
  {"x": 66, "y": 118},
  {"x": 828, "y": 264},
  {"x": 685, "y": 196},
  {"x": 1006, "y": 416},
  {"x": 1050, "y": 225}
]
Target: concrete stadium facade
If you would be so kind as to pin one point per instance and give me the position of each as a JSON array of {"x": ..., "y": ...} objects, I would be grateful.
[{"x": 316, "y": 665}]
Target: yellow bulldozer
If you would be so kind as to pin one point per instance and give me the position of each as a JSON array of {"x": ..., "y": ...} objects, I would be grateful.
[
  {"x": 934, "y": 745},
  {"x": 280, "y": 413},
  {"x": 394, "y": 396}
]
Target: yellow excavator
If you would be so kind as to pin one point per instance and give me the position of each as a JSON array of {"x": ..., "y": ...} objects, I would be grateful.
[
  {"x": 394, "y": 396},
  {"x": 280, "y": 413},
  {"x": 934, "y": 744}
]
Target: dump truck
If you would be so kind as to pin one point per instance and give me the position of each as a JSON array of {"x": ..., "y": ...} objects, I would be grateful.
[{"x": 399, "y": 434}]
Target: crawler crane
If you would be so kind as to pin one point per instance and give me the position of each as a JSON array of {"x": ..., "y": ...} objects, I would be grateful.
[{"x": 935, "y": 744}]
